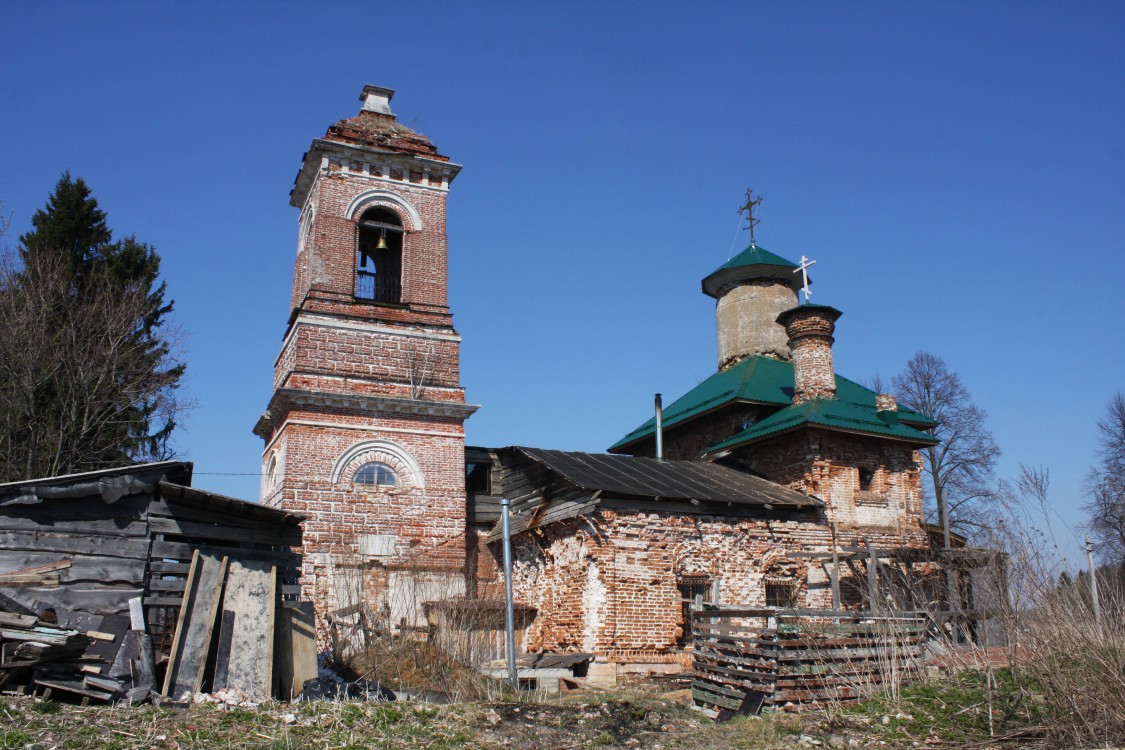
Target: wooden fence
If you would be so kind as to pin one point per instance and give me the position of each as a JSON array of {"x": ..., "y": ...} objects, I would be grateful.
[{"x": 749, "y": 659}]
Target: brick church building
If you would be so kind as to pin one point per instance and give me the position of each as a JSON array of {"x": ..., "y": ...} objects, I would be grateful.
[{"x": 770, "y": 469}]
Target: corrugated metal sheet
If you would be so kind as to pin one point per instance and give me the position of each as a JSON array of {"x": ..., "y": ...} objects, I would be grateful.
[
  {"x": 674, "y": 480},
  {"x": 831, "y": 414},
  {"x": 758, "y": 380}
]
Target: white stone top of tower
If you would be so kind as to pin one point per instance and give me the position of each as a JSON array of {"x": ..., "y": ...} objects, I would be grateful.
[{"x": 377, "y": 99}]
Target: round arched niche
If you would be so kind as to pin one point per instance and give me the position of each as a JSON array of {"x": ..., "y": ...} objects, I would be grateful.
[{"x": 401, "y": 462}]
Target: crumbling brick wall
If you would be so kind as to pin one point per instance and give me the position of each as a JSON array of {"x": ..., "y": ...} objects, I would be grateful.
[
  {"x": 608, "y": 583},
  {"x": 827, "y": 465}
]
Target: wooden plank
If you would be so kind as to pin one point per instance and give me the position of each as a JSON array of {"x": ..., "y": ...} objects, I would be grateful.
[
  {"x": 82, "y": 566},
  {"x": 41, "y": 580},
  {"x": 182, "y": 551},
  {"x": 45, "y": 568},
  {"x": 192, "y": 640},
  {"x": 89, "y": 597},
  {"x": 249, "y": 605},
  {"x": 163, "y": 601},
  {"x": 104, "y": 525},
  {"x": 136, "y": 614},
  {"x": 105, "y": 649},
  {"x": 296, "y": 648},
  {"x": 175, "y": 587},
  {"x": 827, "y": 614},
  {"x": 225, "y": 532},
  {"x": 18, "y": 621},
  {"x": 89, "y": 543},
  {"x": 163, "y": 568},
  {"x": 173, "y": 503},
  {"x": 73, "y": 686},
  {"x": 101, "y": 683},
  {"x": 143, "y": 669}
]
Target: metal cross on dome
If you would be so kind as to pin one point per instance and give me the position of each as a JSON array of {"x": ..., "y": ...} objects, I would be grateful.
[
  {"x": 747, "y": 210},
  {"x": 804, "y": 269}
]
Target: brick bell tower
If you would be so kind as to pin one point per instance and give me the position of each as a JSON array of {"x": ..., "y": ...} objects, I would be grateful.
[{"x": 364, "y": 433}]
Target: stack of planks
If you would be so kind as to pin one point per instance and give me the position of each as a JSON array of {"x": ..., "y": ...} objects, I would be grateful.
[
  {"x": 39, "y": 576},
  {"x": 749, "y": 659},
  {"x": 51, "y": 649},
  {"x": 233, "y": 630}
]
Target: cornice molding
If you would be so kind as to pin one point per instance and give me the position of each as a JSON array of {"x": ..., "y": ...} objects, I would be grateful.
[
  {"x": 286, "y": 398},
  {"x": 321, "y": 148}
]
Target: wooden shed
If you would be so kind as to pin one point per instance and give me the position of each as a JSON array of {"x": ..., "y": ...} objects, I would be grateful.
[{"x": 91, "y": 542}]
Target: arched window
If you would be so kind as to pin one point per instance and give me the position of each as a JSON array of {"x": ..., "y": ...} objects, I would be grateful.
[
  {"x": 376, "y": 474},
  {"x": 378, "y": 265},
  {"x": 271, "y": 472},
  {"x": 401, "y": 471}
]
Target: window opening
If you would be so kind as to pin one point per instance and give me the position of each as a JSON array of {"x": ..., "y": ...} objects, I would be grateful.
[
  {"x": 781, "y": 594},
  {"x": 478, "y": 479},
  {"x": 271, "y": 472},
  {"x": 378, "y": 265},
  {"x": 865, "y": 478},
  {"x": 376, "y": 474},
  {"x": 695, "y": 591}
]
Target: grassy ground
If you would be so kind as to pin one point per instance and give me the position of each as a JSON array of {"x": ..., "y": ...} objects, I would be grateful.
[{"x": 951, "y": 712}]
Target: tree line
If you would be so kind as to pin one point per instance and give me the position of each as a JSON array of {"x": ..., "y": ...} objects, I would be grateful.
[{"x": 90, "y": 371}]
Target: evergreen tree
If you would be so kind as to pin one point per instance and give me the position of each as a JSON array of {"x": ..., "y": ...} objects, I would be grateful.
[{"x": 90, "y": 366}]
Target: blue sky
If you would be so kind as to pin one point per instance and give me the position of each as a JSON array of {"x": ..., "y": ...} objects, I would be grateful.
[{"x": 957, "y": 169}]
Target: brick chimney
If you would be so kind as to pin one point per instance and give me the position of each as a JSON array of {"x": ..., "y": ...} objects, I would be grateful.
[
  {"x": 886, "y": 402},
  {"x": 810, "y": 329}
]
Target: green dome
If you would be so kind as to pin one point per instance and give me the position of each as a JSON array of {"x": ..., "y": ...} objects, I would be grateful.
[{"x": 752, "y": 263}]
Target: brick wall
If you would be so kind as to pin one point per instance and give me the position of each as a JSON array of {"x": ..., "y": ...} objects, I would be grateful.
[
  {"x": 607, "y": 583},
  {"x": 810, "y": 329},
  {"x": 390, "y": 548},
  {"x": 827, "y": 465},
  {"x": 326, "y": 259}
]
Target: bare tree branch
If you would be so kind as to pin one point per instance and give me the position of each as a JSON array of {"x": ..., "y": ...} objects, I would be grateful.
[
  {"x": 1105, "y": 484},
  {"x": 960, "y": 467}
]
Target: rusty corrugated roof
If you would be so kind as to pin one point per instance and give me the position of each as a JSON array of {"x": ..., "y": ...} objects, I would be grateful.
[{"x": 634, "y": 476}]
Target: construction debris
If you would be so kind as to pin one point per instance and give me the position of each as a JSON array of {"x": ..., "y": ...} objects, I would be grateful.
[
  {"x": 119, "y": 582},
  {"x": 86, "y": 657}
]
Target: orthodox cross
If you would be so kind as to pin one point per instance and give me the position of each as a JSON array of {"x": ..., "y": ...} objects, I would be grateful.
[
  {"x": 747, "y": 209},
  {"x": 804, "y": 269}
]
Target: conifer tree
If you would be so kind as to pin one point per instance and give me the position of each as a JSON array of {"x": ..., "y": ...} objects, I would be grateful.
[{"x": 88, "y": 367}]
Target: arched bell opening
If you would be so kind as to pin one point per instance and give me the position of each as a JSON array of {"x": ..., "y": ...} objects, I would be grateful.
[{"x": 378, "y": 266}]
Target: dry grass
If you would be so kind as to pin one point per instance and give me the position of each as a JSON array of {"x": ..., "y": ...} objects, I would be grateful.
[
  {"x": 403, "y": 663},
  {"x": 621, "y": 722},
  {"x": 1077, "y": 666}
]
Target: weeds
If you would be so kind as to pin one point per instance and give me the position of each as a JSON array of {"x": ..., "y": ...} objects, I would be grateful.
[{"x": 46, "y": 707}]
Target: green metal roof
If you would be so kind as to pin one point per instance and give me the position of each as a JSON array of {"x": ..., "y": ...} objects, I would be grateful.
[
  {"x": 759, "y": 380},
  {"x": 831, "y": 414},
  {"x": 753, "y": 262},
  {"x": 756, "y": 256}
]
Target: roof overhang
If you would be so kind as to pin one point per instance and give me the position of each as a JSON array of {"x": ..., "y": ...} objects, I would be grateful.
[
  {"x": 285, "y": 399},
  {"x": 715, "y": 284}
]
